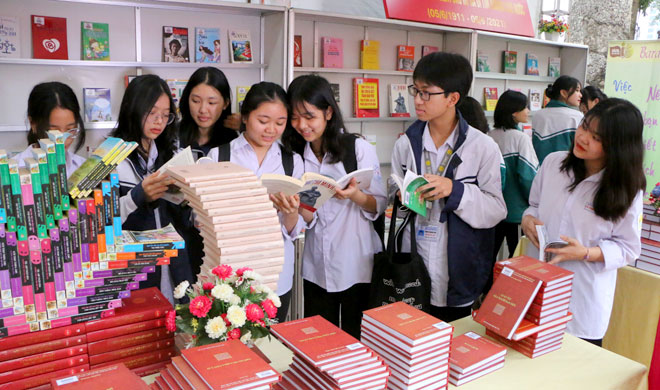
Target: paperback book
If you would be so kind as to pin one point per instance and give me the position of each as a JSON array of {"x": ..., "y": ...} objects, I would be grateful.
[
  {"x": 175, "y": 44},
  {"x": 241, "y": 92},
  {"x": 365, "y": 98},
  {"x": 399, "y": 100},
  {"x": 490, "y": 98},
  {"x": 97, "y": 104},
  {"x": 94, "y": 41},
  {"x": 332, "y": 52},
  {"x": 405, "y": 58},
  {"x": 408, "y": 186},
  {"x": 532, "y": 65},
  {"x": 535, "y": 99},
  {"x": 207, "y": 44},
  {"x": 240, "y": 46},
  {"x": 49, "y": 38},
  {"x": 554, "y": 66},
  {"x": 429, "y": 49},
  {"x": 369, "y": 54},
  {"x": 335, "y": 91},
  {"x": 297, "y": 50},
  {"x": 482, "y": 62},
  {"x": 10, "y": 44},
  {"x": 510, "y": 61}
]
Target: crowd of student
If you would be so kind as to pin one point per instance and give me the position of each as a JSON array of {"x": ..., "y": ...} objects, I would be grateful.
[{"x": 484, "y": 184}]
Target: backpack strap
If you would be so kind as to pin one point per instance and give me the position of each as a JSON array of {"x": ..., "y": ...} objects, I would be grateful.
[
  {"x": 349, "y": 161},
  {"x": 287, "y": 161},
  {"x": 224, "y": 152}
]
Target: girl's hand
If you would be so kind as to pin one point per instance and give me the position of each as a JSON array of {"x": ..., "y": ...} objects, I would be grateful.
[
  {"x": 528, "y": 226},
  {"x": 233, "y": 122},
  {"x": 438, "y": 187},
  {"x": 155, "y": 185},
  {"x": 349, "y": 192},
  {"x": 286, "y": 204},
  {"x": 573, "y": 251}
]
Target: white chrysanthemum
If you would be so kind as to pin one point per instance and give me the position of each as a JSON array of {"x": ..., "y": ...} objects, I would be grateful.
[
  {"x": 276, "y": 299},
  {"x": 234, "y": 299},
  {"x": 216, "y": 328},
  {"x": 236, "y": 315},
  {"x": 222, "y": 292},
  {"x": 251, "y": 275},
  {"x": 180, "y": 290},
  {"x": 246, "y": 337},
  {"x": 232, "y": 279},
  {"x": 262, "y": 288}
]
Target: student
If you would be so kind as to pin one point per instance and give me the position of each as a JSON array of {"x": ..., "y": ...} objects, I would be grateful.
[
  {"x": 473, "y": 114},
  {"x": 591, "y": 197},
  {"x": 146, "y": 116},
  {"x": 54, "y": 106},
  {"x": 521, "y": 165},
  {"x": 554, "y": 126},
  {"x": 590, "y": 97},
  {"x": 341, "y": 242},
  {"x": 456, "y": 237},
  {"x": 264, "y": 114}
]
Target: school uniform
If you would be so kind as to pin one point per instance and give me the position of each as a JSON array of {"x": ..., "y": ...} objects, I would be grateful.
[
  {"x": 553, "y": 128},
  {"x": 73, "y": 161},
  {"x": 571, "y": 213}
]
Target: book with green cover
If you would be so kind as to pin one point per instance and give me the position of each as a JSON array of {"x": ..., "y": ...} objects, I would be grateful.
[
  {"x": 5, "y": 189},
  {"x": 118, "y": 157},
  {"x": 410, "y": 197},
  {"x": 39, "y": 209},
  {"x": 59, "y": 139},
  {"x": 39, "y": 155},
  {"x": 94, "y": 41},
  {"x": 94, "y": 163},
  {"x": 510, "y": 61},
  {"x": 17, "y": 200},
  {"x": 48, "y": 146}
]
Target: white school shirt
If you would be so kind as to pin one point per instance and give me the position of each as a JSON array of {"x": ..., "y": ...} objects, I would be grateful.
[
  {"x": 571, "y": 214},
  {"x": 73, "y": 161},
  {"x": 243, "y": 154},
  {"x": 340, "y": 245}
]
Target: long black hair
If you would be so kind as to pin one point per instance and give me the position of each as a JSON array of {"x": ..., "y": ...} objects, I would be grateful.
[
  {"x": 620, "y": 127},
  {"x": 566, "y": 83},
  {"x": 263, "y": 92},
  {"x": 592, "y": 93},
  {"x": 315, "y": 90},
  {"x": 508, "y": 104},
  {"x": 140, "y": 97},
  {"x": 188, "y": 129},
  {"x": 46, "y": 97}
]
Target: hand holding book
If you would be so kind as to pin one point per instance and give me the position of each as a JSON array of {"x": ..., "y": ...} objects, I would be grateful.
[
  {"x": 574, "y": 250},
  {"x": 155, "y": 185},
  {"x": 528, "y": 226},
  {"x": 438, "y": 187}
]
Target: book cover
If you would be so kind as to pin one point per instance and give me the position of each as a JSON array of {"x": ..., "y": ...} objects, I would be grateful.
[
  {"x": 365, "y": 97},
  {"x": 143, "y": 305},
  {"x": 142, "y": 347},
  {"x": 123, "y": 330},
  {"x": 335, "y": 91},
  {"x": 175, "y": 44},
  {"x": 490, "y": 98},
  {"x": 49, "y": 38},
  {"x": 207, "y": 44},
  {"x": 554, "y": 66},
  {"x": 97, "y": 104},
  {"x": 59, "y": 138},
  {"x": 118, "y": 375},
  {"x": 187, "y": 373},
  {"x": 176, "y": 89},
  {"x": 410, "y": 197},
  {"x": 429, "y": 49},
  {"x": 510, "y": 61},
  {"x": 241, "y": 92},
  {"x": 412, "y": 325},
  {"x": 405, "y": 58},
  {"x": 297, "y": 51},
  {"x": 549, "y": 274},
  {"x": 369, "y": 54},
  {"x": 399, "y": 100},
  {"x": 10, "y": 43},
  {"x": 55, "y": 365},
  {"x": 43, "y": 357},
  {"x": 94, "y": 41},
  {"x": 532, "y": 64},
  {"x": 535, "y": 99},
  {"x": 332, "y": 52},
  {"x": 240, "y": 46},
  {"x": 470, "y": 351},
  {"x": 161, "y": 355},
  {"x": 482, "y": 62},
  {"x": 43, "y": 347}
]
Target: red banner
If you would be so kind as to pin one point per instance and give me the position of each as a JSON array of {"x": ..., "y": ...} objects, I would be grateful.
[{"x": 503, "y": 16}]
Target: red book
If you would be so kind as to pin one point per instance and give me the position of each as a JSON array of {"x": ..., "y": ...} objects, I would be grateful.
[
  {"x": 507, "y": 302},
  {"x": 528, "y": 328},
  {"x": 457, "y": 379},
  {"x": 169, "y": 380},
  {"x": 318, "y": 340},
  {"x": 142, "y": 359},
  {"x": 49, "y": 38},
  {"x": 405, "y": 58},
  {"x": 365, "y": 97},
  {"x": 178, "y": 378},
  {"x": 228, "y": 364},
  {"x": 188, "y": 374},
  {"x": 43, "y": 357},
  {"x": 43, "y": 336},
  {"x": 42, "y": 347},
  {"x": 297, "y": 50},
  {"x": 124, "y": 330},
  {"x": 23, "y": 373},
  {"x": 143, "y": 305},
  {"x": 436, "y": 356},
  {"x": 549, "y": 274},
  {"x": 118, "y": 376},
  {"x": 470, "y": 351},
  {"x": 161, "y": 383},
  {"x": 129, "y": 340},
  {"x": 150, "y": 369},
  {"x": 41, "y": 379},
  {"x": 131, "y": 351},
  {"x": 378, "y": 336}
]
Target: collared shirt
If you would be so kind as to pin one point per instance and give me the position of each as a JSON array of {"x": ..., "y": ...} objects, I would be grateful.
[
  {"x": 553, "y": 128},
  {"x": 340, "y": 246},
  {"x": 73, "y": 161},
  {"x": 244, "y": 155},
  {"x": 572, "y": 214}
]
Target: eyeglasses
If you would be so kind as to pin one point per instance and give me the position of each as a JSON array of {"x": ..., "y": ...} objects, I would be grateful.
[
  {"x": 168, "y": 119},
  {"x": 73, "y": 133},
  {"x": 426, "y": 96}
]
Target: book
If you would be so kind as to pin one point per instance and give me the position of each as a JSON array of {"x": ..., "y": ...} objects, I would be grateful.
[
  {"x": 429, "y": 49},
  {"x": 143, "y": 359},
  {"x": 94, "y": 41},
  {"x": 550, "y": 275},
  {"x": 100, "y": 158},
  {"x": 365, "y": 98},
  {"x": 123, "y": 330},
  {"x": 314, "y": 189},
  {"x": 183, "y": 157},
  {"x": 408, "y": 186},
  {"x": 156, "y": 239},
  {"x": 49, "y": 40},
  {"x": 55, "y": 365},
  {"x": 297, "y": 51},
  {"x": 207, "y": 44},
  {"x": 535, "y": 99},
  {"x": 554, "y": 66},
  {"x": 240, "y": 46},
  {"x": 532, "y": 64},
  {"x": 10, "y": 43},
  {"x": 97, "y": 104},
  {"x": 117, "y": 374},
  {"x": 510, "y": 61},
  {"x": 545, "y": 243},
  {"x": 369, "y": 54},
  {"x": 142, "y": 305},
  {"x": 399, "y": 100},
  {"x": 175, "y": 44},
  {"x": 43, "y": 347},
  {"x": 482, "y": 62},
  {"x": 59, "y": 138},
  {"x": 241, "y": 92},
  {"x": 188, "y": 374},
  {"x": 470, "y": 352},
  {"x": 128, "y": 78},
  {"x": 335, "y": 91},
  {"x": 332, "y": 50},
  {"x": 490, "y": 98},
  {"x": 405, "y": 58},
  {"x": 45, "y": 378},
  {"x": 140, "y": 344}
]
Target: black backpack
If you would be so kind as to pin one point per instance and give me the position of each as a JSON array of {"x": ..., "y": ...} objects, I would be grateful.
[{"x": 224, "y": 154}]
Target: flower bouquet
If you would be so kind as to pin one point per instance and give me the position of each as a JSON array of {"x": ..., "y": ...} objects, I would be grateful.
[
  {"x": 234, "y": 306},
  {"x": 553, "y": 25}
]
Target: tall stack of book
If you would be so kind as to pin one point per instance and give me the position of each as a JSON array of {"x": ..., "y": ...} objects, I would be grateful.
[
  {"x": 116, "y": 376},
  {"x": 472, "y": 357},
  {"x": 236, "y": 218},
  {"x": 649, "y": 259},
  {"x": 325, "y": 357},
  {"x": 414, "y": 344}
]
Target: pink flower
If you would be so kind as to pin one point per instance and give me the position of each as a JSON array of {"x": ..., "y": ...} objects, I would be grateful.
[
  {"x": 269, "y": 308},
  {"x": 170, "y": 321},
  {"x": 222, "y": 271},
  {"x": 252, "y": 290},
  {"x": 261, "y": 323},
  {"x": 224, "y": 317},
  {"x": 234, "y": 334},
  {"x": 253, "y": 312},
  {"x": 208, "y": 286},
  {"x": 240, "y": 271},
  {"x": 200, "y": 306}
]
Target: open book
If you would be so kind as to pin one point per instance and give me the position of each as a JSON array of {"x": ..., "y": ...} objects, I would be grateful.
[
  {"x": 314, "y": 189},
  {"x": 545, "y": 243},
  {"x": 184, "y": 157},
  {"x": 408, "y": 186}
]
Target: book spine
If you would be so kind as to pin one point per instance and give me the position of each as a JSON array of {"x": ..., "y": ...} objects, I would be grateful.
[
  {"x": 38, "y": 282},
  {"x": 98, "y": 298},
  {"x": 108, "y": 216},
  {"x": 67, "y": 251},
  {"x": 11, "y": 343},
  {"x": 93, "y": 229},
  {"x": 89, "y": 308},
  {"x": 7, "y": 318},
  {"x": 126, "y": 272},
  {"x": 141, "y": 277},
  {"x": 100, "y": 223},
  {"x": 48, "y": 346},
  {"x": 5, "y": 187},
  {"x": 44, "y": 379},
  {"x": 55, "y": 189},
  {"x": 119, "y": 264},
  {"x": 20, "y": 226},
  {"x": 148, "y": 255},
  {"x": 131, "y": 351},
  {"x": 116, "y": 213},
  {"x": 43, "y": 357},
  {"x": 58, "y": 267},
  {"x": 142, "y": 359},
  {"x": 26, "y": 280},
  {"x": 83, "y": 292},
  {"x": 156, "y": 246},
  {"x": 13, "y": 331},
  {"x": 56, "y": 365},
  {"x": 150, "y": 369},
  {"x": 39, "y": 208},
  {"x": 123, "y": 330},
  {"x": 5, "y": 281},
  {"x": 47, "y": 195},
  {"x": 128, "y": 340},
  {"x": 74, "y": 235},
  {"x": 149, "y": 313},
  {"x": 60, "y": 154},
  {"x": 14, "y": 272},
  {"x": 76, "y": 319},
  {"x": 50, "y": 291},
  {"x": 83, "y": 228}
]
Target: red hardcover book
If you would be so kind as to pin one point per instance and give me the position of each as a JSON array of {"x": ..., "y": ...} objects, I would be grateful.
[
  {"x": 297, "y": 50},
  {"x": 56, "y": 365},
  {"x": 49, "y": 38},
  {"x": 528, "y": 328},
  {"x": 457, "y": 379},
  {"x": 169, "y": 380},
  {"x": 150, "y": 369},
  {"x": 161, "y": 383},
  {"x": 365, "y": 97},
  {"x": 41, "y": 358},
  {"x": 129, "y": 340},
  {"x": 131, "y": 351},
  {"x": 385, "y": 335},
  {"x": 41, "y": 379},
  {"x": 117, "y": 376},
  {"x": 162, "y": 355},
  {"x": 507, "y": 302},
  {"x": 47, "y": 346},
  {"x": 394, "y": 356},
  {"x": 178, "y": 378},
  {"x": 228, "y": 364},
  {"x": 549, "y": 274},
  {"x": 405, "y": 58},
  {"x": 125, "y": 330},
  {"x": 470, "y": 351},
  {"x": 142, "y": 305},
  {"x": 188, "y": 374},
  {"x": 12, "y": 342}
]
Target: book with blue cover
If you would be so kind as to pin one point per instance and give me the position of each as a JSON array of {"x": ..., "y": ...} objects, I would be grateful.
[
  {"x": 97, "y": 104},
  {"x": 207, "y": 44}
]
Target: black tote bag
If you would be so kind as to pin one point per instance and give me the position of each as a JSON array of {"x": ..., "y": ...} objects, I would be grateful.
[{"x": 400, "y": 276}]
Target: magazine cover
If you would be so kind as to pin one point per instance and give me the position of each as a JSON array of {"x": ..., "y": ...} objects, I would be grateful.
[
  {"x": 240, "y": 46},
  {"x": 532, "y": 65},
  {"x": 405, "y": 58},
  {"x": 49, "y": 38},
  {"x": 97, "y": 104},
  {"x": 399, "y": 100},
  {"x": 94, "y": 41},
  {"x": 554, "y": 66},
  {"x": 297, "y": 50},
  {"x": 241, "y": 91},
  {"x": 535, "y": 99},
  {"x": 482, "y": 62},
  {"x": 9, "y": 37},
  {"x": 335, "y": 91},
  {"x": 175, "y": 44},
  {"x": 510, "y": 60},
  {"x": 207, "y": 44}
]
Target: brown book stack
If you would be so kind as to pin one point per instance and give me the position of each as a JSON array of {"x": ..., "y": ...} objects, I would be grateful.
[
  {"x": 414, "y": 344},
  {"x": 327, "y": 358},
  {"x": 649, "y": 259},
  {"x": 116, "y": 376},
  {"x": 473, "y": 356},
  {"x": 236, "y": 218}
]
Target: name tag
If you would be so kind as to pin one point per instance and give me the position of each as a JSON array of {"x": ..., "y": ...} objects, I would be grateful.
[{"x": 427, "y": 233}]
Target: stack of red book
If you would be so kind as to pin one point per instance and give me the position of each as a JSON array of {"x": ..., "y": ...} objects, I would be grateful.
[
  {"x": 414, "y": 344},
  {"x": 136, "y": 336},
  {"x": 325, "y": 357},
  {"x": 116, "y": 376},
  {"x": 472, "y": 357}
]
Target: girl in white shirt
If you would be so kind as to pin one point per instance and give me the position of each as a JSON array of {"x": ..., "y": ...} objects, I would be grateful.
[
  {"x": 591, "y": 197},
  {"x": 341, "y": 242}
]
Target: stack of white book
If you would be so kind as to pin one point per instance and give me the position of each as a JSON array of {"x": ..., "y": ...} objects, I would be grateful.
[{"x": 235, "y": 217}]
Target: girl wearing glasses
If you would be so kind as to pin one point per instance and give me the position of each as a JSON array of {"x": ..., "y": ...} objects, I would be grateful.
[
  {"x": 146, "y": 116},
  {"x": 54, "y": 106},
  {"x": 591, "y": 197}
]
